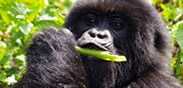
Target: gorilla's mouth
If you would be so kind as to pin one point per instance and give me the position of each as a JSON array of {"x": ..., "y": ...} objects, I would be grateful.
[{"x": 94, "y": 46}]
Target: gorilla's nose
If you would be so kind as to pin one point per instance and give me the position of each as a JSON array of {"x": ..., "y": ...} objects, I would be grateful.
[
  {"x": 93, "y": 33},
  {"x": 98, "y": 38}
]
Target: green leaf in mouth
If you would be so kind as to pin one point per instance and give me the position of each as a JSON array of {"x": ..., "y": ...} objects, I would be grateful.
[{"x": 104, "y": 55}]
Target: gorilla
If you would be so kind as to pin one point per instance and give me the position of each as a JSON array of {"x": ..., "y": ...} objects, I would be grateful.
[{"x": 130, "y": 28}]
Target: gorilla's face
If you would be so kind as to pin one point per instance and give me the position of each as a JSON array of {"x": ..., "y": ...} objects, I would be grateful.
[
  {"x": 100, "y": 30},
  {"x": 122, "y": 27}
]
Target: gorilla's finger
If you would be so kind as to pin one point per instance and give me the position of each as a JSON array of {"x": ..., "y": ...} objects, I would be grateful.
[
  {"x": 66, "y": 31},
  {"x": 51, "y": 30},
  {"x": 38, "y": 38}
]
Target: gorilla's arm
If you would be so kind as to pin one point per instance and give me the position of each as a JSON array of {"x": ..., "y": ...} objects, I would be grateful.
[{"x": 53, "y": 62}]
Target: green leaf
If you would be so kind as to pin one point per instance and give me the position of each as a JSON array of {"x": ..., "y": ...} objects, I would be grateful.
[
  {"x": 20, "y": 60},
  {"x": 30, "y": 16},
  {"x": 67, "y": 3},
  {"x": 60, "y": 17},
  {"x": 5, "y": 16},
  {"x": 104, "y": 55},
  {"x": 46, "y": 17},
  {"x": 179, "y": 34},
  {"x": 163, "y": 6},
  {"x": 6, "y": 56},
  {"x": 2, "y": 75},
  {"x": 178, "y": 65},
  {"x": 25, "y": 28}
]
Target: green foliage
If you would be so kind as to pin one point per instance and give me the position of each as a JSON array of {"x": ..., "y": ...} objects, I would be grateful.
[{"x": 19, "y": 20}]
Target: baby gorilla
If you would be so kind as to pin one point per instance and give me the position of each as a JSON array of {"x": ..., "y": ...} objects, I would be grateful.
[{"x": 130, "y": 28}]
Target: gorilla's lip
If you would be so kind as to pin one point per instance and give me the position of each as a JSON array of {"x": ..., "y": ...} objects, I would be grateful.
[{"x": 94, "y": 46}]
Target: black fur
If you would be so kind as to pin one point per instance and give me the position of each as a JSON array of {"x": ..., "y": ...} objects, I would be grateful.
[{"x": 54, "y": 63}]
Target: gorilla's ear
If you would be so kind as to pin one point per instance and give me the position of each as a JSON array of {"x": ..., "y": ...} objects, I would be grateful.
[{"x": 162, "y": 41}]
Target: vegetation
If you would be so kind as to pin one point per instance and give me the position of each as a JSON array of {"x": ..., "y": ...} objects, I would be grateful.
[{"x": 20, "y": 19}]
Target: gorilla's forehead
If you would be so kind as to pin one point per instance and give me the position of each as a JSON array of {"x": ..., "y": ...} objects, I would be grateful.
[
  {"x": 135, "y": 9},
  {"x": 111, "y": 5}
]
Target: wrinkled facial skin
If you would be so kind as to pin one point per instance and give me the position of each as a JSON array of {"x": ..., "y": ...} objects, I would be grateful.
[{"x": 99, "y": 30}]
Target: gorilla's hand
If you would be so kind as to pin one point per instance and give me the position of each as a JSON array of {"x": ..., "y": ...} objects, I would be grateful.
[
  {"x": 53, "y": 61},
  {"x": 52, "y": 41}
]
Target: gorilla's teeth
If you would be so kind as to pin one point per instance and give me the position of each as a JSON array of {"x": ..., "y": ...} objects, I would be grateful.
[{"x": 94, "y": 47}]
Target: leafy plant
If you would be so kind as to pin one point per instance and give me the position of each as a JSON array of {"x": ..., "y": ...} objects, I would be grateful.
[{"x": 20, "y": 19}]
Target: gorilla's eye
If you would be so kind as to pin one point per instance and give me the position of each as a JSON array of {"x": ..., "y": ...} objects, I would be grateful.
[
  {"x": 91, "y": 20},
  {"x": 117, "y": 23}
]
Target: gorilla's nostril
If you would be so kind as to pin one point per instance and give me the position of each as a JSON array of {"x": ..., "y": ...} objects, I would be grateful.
[
  {"x": 101, "y": 36},
  {"x": 92, "y": 34}
]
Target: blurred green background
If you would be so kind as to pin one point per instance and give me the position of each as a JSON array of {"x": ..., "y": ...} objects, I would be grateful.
[{"x": 20, "y": 19}]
